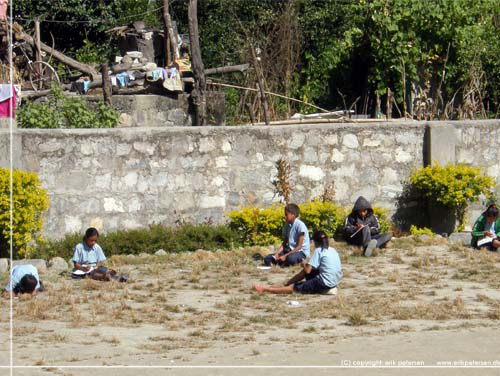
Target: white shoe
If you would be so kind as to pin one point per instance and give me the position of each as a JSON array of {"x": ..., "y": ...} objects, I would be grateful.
[
  {"x": 332, "y": 291},
  {"x": 370, "y": 247}
]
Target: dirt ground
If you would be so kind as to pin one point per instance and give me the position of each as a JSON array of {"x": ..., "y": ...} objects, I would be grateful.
[{"x": 417, "y": 303}]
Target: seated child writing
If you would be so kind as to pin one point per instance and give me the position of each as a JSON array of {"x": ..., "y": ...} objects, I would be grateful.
[
  {"x": 486, "y": 230},
  {"x": 88, "y": 258},
  {"x": 322, "y": 273},
  {"x": 362, "y": 228},
  {"x": 295, "y": 245},
  {"x": 24, "y": 280}
]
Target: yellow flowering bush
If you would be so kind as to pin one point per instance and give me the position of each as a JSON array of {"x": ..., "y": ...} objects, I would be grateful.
[
  {"x": 325, "y": 216},
  {"x": 258, "y": 226},
  {"x": 265, "y": 226},
  {"x": 416, "y": 231},
  {"x": 30, "y": 200},
  {"x": 454, "y": 187}
]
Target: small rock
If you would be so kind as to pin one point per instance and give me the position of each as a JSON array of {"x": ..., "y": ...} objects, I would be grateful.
[
  {"x": 131, "y": 256},
  {"x": 58, "y": 263},
  {"x": 39, "y": 264},
  {"x": 424, "y": 236},
  {"x": 4, "y": 265},
  {"x": 462, "y": 238},
  {"x": 161, "y": 252},
  {"x": 127, "y": 60},
  {"x": 144, "y": 254}
]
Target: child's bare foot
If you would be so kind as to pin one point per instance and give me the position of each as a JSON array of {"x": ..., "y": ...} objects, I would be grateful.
[{"x": 258, "y": 288}]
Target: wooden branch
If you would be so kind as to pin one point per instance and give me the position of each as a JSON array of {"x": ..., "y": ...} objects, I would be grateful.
[
  {"x": 198, "y": 93},
  {"x": 62, "y": 57},
  {"x": 227, "y": 69}
]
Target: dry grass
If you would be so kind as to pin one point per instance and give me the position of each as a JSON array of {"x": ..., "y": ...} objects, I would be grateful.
[{"x": 200, "y": 299}]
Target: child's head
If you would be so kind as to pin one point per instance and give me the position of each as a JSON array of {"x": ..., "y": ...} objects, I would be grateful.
[
  {"x": 320, "y": 239},
  {"x": 91, "y": 236},
  {"x": 492, "y": 213},
  {"x": 292, "y": 211},
  {"x": 363, "y": 213},
  {"x": 26, "y": 285}
]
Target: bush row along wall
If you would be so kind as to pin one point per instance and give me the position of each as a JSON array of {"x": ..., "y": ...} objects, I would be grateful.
[{"x": 133, "y": 177}]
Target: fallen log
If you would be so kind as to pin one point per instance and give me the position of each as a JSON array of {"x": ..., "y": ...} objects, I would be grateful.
[
  {"x": 227, "y": 69},
  {"x": 85, "y": 68}
]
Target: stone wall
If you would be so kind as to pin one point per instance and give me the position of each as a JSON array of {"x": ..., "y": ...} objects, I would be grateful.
[{"x": 133, "y": 177}]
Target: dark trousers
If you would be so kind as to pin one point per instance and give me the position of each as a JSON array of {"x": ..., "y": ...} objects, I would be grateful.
[
  {"x": 290, "y": 260},
  {"x": 364, "y": 236}
]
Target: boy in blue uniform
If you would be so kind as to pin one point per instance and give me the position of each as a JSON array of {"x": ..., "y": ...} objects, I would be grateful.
[
  {"x": 24, "y": 279},
  {"x": 295, "y": 245},
  {"x": 88, "y": 254},
  {"x": 322, "y": 273},
  {"x": 88, "y": 258}
]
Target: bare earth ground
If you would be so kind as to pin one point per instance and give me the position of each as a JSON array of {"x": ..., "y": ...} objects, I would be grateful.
[{"x": 418, "y": 301}]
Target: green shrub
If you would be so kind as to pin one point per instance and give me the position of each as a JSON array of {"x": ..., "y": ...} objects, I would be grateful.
[
  {"x": 66, "y": 112},
  {"x": 415, "y": 231},
  {"x": 325, "y": 216},
  {"x": 258, "y": 226},
  {"x": 454, "y": 187},
  {"x": 148, "y": 240},
  {"x": 265, "y": 226},
  {"x": 383, "y": 219},
  {"x": 30, "y": 201}
]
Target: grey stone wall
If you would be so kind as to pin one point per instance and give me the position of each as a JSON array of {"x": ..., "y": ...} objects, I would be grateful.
[{"x": 133, "y": 177}]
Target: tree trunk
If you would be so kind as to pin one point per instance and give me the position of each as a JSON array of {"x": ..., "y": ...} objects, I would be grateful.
[
  {"x": 171, "y": 52},
  {"x": 198, "y": 94},
  {"x": 106, "y": 84}
]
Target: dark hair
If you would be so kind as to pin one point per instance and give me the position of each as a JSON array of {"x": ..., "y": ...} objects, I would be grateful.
[
  {"x": 91, "y": 231},
  {"x": 320, "y": 237},
  {"x": 26, "y": 285},
  {"x": 292, "y": 209},
  {"x": 492, "y": 211}
]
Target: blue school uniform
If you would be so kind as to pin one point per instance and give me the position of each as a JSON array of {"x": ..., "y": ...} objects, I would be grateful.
[
  {"x": 18, "y": 272},
  {"x": 291, "y": 232},
  {"x": 291, "y": 235},
  {"x": 326, "y": 274},
  {"x": 85, "y": 255}
]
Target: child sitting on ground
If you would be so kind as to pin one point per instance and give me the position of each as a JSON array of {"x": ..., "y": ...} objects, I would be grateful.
[
  {"x": 88, "y": 258},
  {"x": 486, "y": 230},
  {"x": 363, "y": 228},
  {"x": 322, "y": 273},
  {"x": 24, "y": 280},
  {"x": 295, "y": 245}
]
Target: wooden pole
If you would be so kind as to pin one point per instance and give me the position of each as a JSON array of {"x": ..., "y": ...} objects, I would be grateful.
[
  {"x": 388, "y": 104},
  {"x": 172, "y": 53},
  {"x": 107, "y": 90},
  {"x": 38, "y": 51},
  {"x": 198, "y": 94},
  {"x": 260, "y": 83},
  {"x": 166, "y": 39}
]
